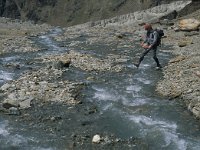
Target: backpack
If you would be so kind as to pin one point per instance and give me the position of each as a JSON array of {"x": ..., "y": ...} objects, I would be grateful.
[{"x": 160, "y": 36}]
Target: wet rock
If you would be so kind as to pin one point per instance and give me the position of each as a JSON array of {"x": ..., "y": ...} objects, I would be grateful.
[
  {"x": 96, "y": 139},
  {"x": 60, "y": 64},
  {"x": 120, "y": 35},
  {"x": 196, "y": 111},
  {"x": 10, "y": 107},
  {"x": 90, "y": 78},
  {"x": 8, "y": 103},
  {"x": 14, "y": 111},
  {"x": 5, "y": 87},
  {"x": 91, "y": 110},
  {"x": 56, "y": 118},
  {"x": 4, "y": 110},
  {"x": 66, "y": 63},
  {"x": 85, "y": 123},
  {"x": 12, "y": 65}
]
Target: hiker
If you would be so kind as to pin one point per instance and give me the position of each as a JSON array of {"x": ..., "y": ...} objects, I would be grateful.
[{"x": 150, "y": 43}]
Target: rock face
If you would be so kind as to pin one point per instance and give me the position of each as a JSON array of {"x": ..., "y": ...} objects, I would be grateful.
[
  {"x": 71, "y": 12},
  {"x": 195, "y": 5},
  {"x": 154, "y": 14}
]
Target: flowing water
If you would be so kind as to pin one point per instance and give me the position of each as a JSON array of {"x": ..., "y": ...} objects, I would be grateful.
[{"x": 127, "y": 101}]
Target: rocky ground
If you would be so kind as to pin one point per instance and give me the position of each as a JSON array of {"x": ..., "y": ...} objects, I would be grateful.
[
  {"x": 40, "y": 99},
  {"x": 181, "y": 76},
  {"x": 15, "y": 33}
]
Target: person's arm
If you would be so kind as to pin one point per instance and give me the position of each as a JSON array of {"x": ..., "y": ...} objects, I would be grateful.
[{"x": 143, "y": 43}]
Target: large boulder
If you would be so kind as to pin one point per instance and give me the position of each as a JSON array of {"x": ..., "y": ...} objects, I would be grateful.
[{"x": 189, "y": 24}]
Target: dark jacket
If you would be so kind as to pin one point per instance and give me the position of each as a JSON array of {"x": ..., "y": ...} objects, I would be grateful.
[{"x": 151, "y": 38}]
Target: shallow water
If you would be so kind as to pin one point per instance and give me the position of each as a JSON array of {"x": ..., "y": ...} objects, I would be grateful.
[
  {"x": 127, "y": 101},
  {"x": 136, "y": 110}
]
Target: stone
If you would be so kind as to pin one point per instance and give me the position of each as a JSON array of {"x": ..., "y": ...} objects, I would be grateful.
[
  {"x": 182, "y": 44},
  {"x": 56, "y": 118},
  {"x": 62, "y": 64},
  {"x": 189, "y": 24},
  {"x": 191, "y": 33},
  {"x": 14, "y": 111},
  {"x": 185, "y": 42},
  {"x": 26, "y": 103},
  {"x": 177, "y": 59},
  {"x": 197, "y": 73},
  {"x": 5, "y": 87},
  {"x": 120, "y": 35},
  {"x": 96, "y": 139},
  {"x": 196, "y": 111},
  {"x": 90, "y": 78},
  {"x": 66, "y": 63},
  {"x": 10, "y": 103}
]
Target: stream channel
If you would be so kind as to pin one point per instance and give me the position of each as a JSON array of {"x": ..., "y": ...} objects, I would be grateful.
[{"x": 127, "y": 104}]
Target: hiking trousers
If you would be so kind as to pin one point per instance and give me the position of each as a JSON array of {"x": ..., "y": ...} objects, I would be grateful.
[{"x": 154, "y": 49}]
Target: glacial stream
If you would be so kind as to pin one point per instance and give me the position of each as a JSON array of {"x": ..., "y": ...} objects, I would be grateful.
[{"x": 127, "y": 101}]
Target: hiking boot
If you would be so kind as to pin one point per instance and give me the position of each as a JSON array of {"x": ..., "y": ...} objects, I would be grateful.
[
  {"x": 136, "y": 65},
  {"x": 159, "y": 67}
]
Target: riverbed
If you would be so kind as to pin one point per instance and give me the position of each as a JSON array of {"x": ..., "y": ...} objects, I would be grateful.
[{"x": 119, "y": 104}]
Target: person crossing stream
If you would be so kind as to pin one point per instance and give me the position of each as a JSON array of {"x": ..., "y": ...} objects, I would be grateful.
[{"x": 118, "y": 101}]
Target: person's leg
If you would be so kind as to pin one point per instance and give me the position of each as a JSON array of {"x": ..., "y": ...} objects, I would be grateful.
[
  {"x": 155, "y": 57},
  {"x": 142, "y": 57}
]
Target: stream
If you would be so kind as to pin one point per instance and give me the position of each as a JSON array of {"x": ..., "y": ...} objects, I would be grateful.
[{"x": 127, "y": 102}]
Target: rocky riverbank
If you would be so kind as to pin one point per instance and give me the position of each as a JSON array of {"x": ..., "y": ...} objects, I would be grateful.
[
  {"x": 38, "y": 92},
  {"x": 15, "y": 35},
  {"x": 182, "y": 74}
]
